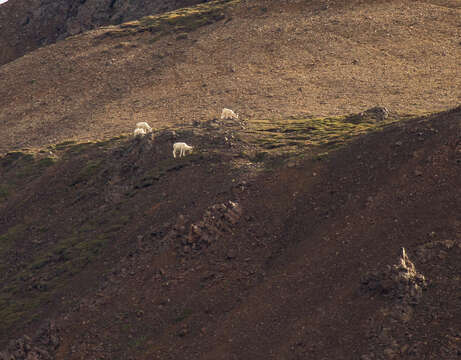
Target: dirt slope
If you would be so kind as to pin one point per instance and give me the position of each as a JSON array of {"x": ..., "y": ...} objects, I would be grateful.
[
  {"x": 27, "y": 25},
  {"x": 264, "y": 59},
  {"x": 130, "y": 261}
]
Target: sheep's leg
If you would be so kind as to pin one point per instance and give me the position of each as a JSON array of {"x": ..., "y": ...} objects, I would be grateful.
[{"x": 174, "y": 153}]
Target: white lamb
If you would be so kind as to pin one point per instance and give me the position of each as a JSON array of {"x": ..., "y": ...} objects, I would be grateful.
[
  {"x": 182, "y": 148},
  {"x": 228, "y": 114},
  {"x": 145, "y": 126},
  {"x": 139, "y": 132}
]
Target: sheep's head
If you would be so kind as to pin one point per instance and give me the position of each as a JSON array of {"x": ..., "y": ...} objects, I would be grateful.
[{"x": 139, "y": 132}]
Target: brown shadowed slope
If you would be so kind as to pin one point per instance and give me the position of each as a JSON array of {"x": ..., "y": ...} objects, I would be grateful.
[
  {"x": 132, "y": 254},
  {"x": 265, "y": 59},
  {"x": 26, "y": 25},
  {"x": 282, "y": 236}
]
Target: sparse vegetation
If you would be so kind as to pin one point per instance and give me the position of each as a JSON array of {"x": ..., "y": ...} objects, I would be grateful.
[
  {"x": 90, "y": 168},
  {"x": 291, "y": 137},
  {"x": 51, "y": 264},
  {"x": 46, "y": 272},
  {"x": 8, "y": 239},
  {"x": 63, "y": 145},
  {"x": 45, "y": 162},
  {"x": 179, "y": 21},
  {"x": 26, "y": 164},
  {"x": 4, "y": 192}
]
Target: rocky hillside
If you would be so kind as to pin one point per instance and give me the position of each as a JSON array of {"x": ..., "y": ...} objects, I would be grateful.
[
  {"x": 322, "y": 224},
  {"x": 26, "y": 25},
  {"x": 264, "y": 59},
  {"x": 116, "y": 250}
]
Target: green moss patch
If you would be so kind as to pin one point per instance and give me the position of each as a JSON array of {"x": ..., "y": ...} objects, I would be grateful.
[
  {"x": 178, "y": 21},
  {"x": 21, "y": 164},
  {"x": 16, "y": 158},
  {"x": 8, "y": 239},
  {"x": 294, "y": 136},
  {"x": 88, "y": 171},
  {"x": 4, "y": 192}
]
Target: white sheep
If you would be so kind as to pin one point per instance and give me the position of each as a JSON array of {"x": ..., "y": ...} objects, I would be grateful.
[
  {"x": 145, "y": 126},
  {"x": 182, "y": 148},
  {"x": 139, "y": 132},
  {"x": 228, "y": 114}
]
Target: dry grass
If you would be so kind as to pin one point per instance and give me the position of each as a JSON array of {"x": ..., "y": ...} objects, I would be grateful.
[{"x": 182, "y": 20}]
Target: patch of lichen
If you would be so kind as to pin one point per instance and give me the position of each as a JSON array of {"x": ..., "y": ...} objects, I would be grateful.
[
  {"x": 71, "y": 148},
  {"x": 31, "y": 163},
  {"x": 178, "y": 21},
  {"x": 8, "y": 239},
  {"x": 4, "y": 192},
  {"x": 20, "y": 167},
  {"x": 290, "y": 137},
  {"x": 88, "y": 171},
  {"x": 24, "y": 164}
]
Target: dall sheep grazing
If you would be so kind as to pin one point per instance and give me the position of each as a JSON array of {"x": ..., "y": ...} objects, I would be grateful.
[
  {"x": 228, "y": 114},
  {"x": 139, "y": 132},
  {"x": 145, "y": 126},
  {"x": 182, "y": 148}
]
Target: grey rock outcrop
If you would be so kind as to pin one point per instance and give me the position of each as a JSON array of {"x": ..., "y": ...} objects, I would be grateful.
[{"x": 400, "y": 282}]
